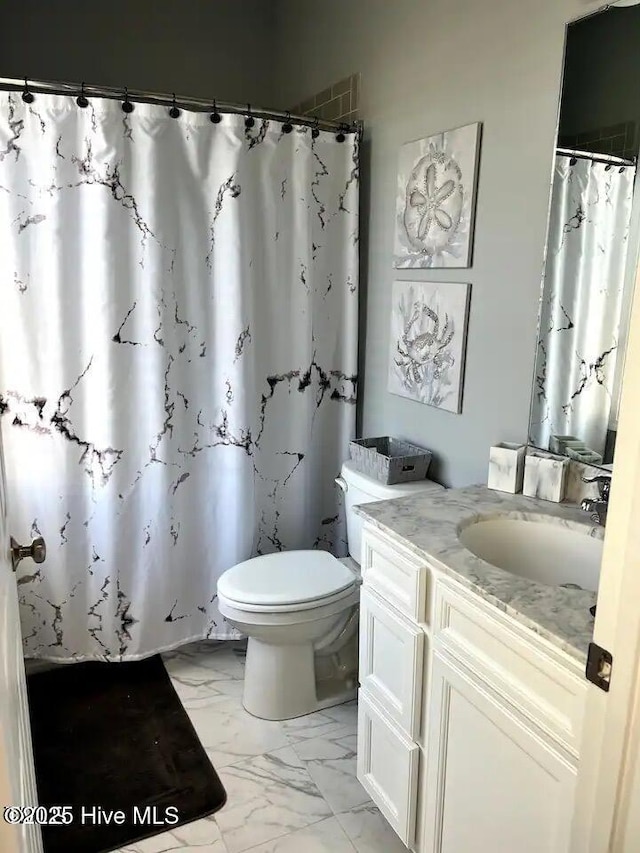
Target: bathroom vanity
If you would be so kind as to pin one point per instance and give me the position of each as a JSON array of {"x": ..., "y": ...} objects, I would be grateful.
[{"x": 472, "y": 687}]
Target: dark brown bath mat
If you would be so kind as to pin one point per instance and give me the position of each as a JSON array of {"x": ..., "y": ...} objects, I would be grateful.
[{"x": 114, "y": 737}]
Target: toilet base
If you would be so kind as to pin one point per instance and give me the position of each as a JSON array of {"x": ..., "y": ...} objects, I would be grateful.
[{"x": 280, "y": 682}]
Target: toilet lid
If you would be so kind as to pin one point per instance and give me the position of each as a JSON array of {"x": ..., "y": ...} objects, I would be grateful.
[{"x": 288, "y": 577}]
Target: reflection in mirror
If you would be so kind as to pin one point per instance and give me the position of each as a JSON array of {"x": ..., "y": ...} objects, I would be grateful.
[{"x": 592, "y": 242}]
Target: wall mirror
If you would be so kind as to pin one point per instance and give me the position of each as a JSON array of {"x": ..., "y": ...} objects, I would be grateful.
[{"x": 592, "y": 242}]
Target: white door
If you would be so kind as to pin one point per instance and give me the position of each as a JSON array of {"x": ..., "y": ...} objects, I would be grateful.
[
  {"x": 494, "y": 784},
  {"x": 17, "y": 772},
  {"x": 607, "y": 813}
]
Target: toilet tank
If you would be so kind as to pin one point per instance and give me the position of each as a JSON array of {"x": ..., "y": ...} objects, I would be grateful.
[{"x": 358, "y": 488}]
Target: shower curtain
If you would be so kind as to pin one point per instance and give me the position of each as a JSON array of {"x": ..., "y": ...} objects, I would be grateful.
[
  {"x": 581, "y": 301},
  {"x": 177, "y": 360}
]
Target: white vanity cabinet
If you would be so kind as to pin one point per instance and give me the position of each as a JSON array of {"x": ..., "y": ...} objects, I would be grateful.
[{"x": 469, "y": 723}]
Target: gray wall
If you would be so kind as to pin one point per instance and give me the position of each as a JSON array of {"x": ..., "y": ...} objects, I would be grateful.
[
  {"x": 428, "y": 66},
  {"x": 202, "y": 48}
]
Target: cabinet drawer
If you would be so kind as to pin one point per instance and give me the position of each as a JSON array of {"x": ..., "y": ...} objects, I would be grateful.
[
  {"x": 391, "y": 661},
  {"x": 388, "y": 768},
  {"x": 397, "y": 574},
  {"x": 545, "y": 684}
]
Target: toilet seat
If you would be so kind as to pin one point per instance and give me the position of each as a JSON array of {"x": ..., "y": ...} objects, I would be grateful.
[
  {"x": 265, "y": 609},
  {"x": 287, "y": 581}
]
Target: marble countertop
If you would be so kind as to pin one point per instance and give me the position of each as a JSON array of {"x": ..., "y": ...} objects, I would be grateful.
[{"x": 428, "y": 525}]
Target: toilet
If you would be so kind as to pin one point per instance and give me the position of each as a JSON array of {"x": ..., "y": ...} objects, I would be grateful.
[{"x": 299, "y": 611}]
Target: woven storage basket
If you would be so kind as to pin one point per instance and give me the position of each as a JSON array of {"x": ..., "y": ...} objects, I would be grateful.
[{"x": 390, "y": 460}]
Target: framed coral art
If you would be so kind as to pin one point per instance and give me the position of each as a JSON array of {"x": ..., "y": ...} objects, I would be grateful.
[
  {"x": 435, "y": 204},
  {"x": 428, "y": 342}
]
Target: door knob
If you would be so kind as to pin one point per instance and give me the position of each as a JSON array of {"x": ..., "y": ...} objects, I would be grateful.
[
  {"x": 37, "y": 551},
  {"x": 340, "y": 481}
]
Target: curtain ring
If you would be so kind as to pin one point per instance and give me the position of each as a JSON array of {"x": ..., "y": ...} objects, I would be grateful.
[
  {"x": 127, "y": 106},
  {"x": 174, "y": 112},
  {"x": 215, "y": 116},
  {"x": 81, "y": 100},
  {"x": 315, "y": 130},
  {"x": 287, "y": 127},
  {"x": 249, "y": 121},
  {"x": 340, "y": 137},
  {"x": 27, "y": 96}
]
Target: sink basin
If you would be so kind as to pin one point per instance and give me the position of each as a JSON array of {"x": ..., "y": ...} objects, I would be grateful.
[{"x": 541, "y": 551}]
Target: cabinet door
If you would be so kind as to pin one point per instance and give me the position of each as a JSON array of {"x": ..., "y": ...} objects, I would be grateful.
[
  {"x": 388, "y": 768},
  {"x": 494, "y": 785},
  {"x": 391, "y": 661}
]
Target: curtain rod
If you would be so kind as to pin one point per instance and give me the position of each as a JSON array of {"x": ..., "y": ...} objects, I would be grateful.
[
  {"x": 48, "y": 87},
  {"x": 597, "y": 158}
]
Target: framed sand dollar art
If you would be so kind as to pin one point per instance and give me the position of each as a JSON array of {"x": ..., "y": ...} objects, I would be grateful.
[{"x": 435, "y": 205}]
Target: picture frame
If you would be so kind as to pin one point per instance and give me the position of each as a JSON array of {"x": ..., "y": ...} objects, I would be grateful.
[
  {"x": 427, "y": 346},
  {"x": 436, "y": 199}
]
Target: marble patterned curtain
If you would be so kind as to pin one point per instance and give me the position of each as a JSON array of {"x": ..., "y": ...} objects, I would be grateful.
[
  {"x": 177, "y": 360},
  {"x": 581, "y": 302}
]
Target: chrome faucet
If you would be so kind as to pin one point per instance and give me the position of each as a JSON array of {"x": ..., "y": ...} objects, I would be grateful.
[{"x": 598, "y": 506}]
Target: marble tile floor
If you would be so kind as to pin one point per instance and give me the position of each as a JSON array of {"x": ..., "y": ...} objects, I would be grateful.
[{"x": 291, "y": 786}]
